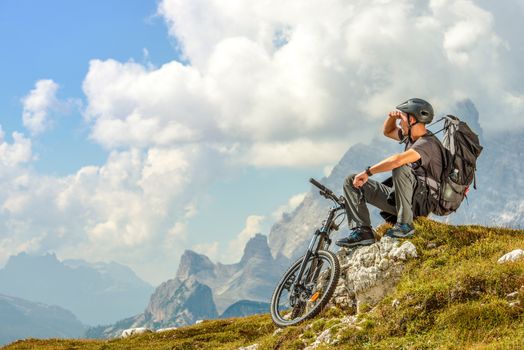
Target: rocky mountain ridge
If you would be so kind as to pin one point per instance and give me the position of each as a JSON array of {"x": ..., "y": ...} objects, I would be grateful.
[{"x": 204, "y": 290}]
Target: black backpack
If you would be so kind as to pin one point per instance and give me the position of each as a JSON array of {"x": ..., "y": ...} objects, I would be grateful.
[{"x": 460, "y": 152}]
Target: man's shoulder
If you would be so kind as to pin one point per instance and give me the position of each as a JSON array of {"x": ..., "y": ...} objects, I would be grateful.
[{"x": 428, "y": 139}]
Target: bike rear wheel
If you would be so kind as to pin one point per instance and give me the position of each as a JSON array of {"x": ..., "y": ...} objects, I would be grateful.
[{"x": 296, "y": 301}]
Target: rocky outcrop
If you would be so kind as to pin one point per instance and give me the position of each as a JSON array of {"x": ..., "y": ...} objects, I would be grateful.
[
  {"x": 253, "y": 278},
  {"x": 174, "y": 303},
  {"x": 369, "y": 273},
  {"x": 177, "y": 303},
  {"x": 195, "y": 265}
]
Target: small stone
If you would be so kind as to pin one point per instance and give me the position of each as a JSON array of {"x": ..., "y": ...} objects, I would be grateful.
[
  {"x": 250, "y": 347},
  {"x": 512, "y": 296},
  {"x": 166, "y": 329},
  {"x": 395, "y": 303},
  {"x": 512, "y": 256},
  {"x": 514, "y": 304},
  {"x": 135, "y": 331},
  {"x": 324, "y": 337},
  {"x": 349, "y": 320},
  {"x": 277, "y": 331},
  {"x": 431, "y": 245}
]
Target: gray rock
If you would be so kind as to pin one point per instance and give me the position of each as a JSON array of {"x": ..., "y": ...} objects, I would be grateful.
[
  {"x": 371, "y": 272},
  {"x": 512, "y": 256},
  {"x": 324, "y": 338},
  {"x": 250, "y": 347},
  {"x": 167, "y": 329},
  {"x": 134, "y": 331}
]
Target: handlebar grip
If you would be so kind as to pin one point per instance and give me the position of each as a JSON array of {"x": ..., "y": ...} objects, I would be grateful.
[{"x": 318, "y": 184}]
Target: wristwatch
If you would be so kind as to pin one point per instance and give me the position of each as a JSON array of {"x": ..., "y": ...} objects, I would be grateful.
[{"x": 368, "y": 172}]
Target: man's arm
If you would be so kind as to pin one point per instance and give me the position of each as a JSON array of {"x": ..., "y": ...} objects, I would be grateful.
[
  {"x": 390, "y": 163},
  {"x": 391, "y": 129}
]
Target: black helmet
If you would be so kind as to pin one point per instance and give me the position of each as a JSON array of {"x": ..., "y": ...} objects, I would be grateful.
[{"x": 421, "y": 110}]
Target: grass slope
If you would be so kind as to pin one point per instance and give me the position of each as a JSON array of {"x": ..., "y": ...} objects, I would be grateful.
[{"x": 454, "y": 296}]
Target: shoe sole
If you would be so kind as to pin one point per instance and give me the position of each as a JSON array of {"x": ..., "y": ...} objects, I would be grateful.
[
  {"x": 363, "y": 242},
  {"x": 402, "y": 235}
]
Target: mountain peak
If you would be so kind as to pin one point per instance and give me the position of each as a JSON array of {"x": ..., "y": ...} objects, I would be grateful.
[
  {"x": 257, "y": 246},
  {"x": 192, "y": 263}
]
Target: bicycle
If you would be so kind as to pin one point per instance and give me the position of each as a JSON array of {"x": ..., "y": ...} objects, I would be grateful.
[{"x": 307, "y": 286}]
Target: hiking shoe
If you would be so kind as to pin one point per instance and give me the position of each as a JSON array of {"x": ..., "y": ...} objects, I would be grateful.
[
  {"x": 362, "y": 235},
  {"x": 401, "y": 231}
]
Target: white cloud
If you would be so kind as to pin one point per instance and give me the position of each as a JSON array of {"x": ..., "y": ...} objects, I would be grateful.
[
  {"x": 296, "y": 153},
  {"x": 15, "y": 153},
  {"x": 37, "y": 105},
  {"x": 282, "y": 80},
  {"x": 236, "y": 246},
  {"x": 291, "y": 205},
  {"x": 211, "y": 250},
  {"x": 133, "y": 209}
]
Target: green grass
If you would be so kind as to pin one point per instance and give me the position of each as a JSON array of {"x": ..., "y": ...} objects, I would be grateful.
[{"x": 452, "y": 297}]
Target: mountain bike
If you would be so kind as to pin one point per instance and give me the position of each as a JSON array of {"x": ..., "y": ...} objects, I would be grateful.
[{"x": 307, "y": 286}]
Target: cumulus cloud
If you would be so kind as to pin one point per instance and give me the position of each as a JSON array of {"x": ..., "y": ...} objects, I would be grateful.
[
  {"x": 284, "y": 80},
  {"x": 291, "y": 205},
  {"x": 37, "y": 105},
  {"x": 211, "y": 250},
  {"x": 236, "y": 246},
  {"x": 12, "y": 154},
  {"x": 133, "y": 209}
]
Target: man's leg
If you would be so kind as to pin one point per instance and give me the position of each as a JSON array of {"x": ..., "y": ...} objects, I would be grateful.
[
  {"x": 405, "y": 182},
  {"x": 373, "y": 192}
]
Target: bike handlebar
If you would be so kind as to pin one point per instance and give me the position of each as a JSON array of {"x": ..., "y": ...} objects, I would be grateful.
[{"x": 326, "y": 192}]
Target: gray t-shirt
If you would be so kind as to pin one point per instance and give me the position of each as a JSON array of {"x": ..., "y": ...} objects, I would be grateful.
[{"x": 429, "y": 148}]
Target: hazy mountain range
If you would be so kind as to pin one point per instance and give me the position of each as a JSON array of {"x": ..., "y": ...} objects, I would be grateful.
[
  {"x": 96, "y": 293},
  {"x": 22, "y": 319}
]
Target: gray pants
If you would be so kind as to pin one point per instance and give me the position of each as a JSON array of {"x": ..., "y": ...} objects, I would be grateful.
[{"x": 376, "y": 193}]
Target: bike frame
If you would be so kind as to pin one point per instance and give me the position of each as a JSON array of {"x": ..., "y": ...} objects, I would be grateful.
[{"x": 320, "y": 240}]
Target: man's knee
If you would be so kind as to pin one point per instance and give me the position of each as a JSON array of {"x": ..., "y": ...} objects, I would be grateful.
[{"x": 349, "y": 179}]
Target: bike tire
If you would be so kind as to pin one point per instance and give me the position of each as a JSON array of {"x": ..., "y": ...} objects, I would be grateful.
[{"x": 297, "y": 315}]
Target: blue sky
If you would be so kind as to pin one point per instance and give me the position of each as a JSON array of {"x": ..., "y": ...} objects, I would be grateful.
[
  {"x": 133, "y": 130},
  {"x": 56, "y": 39}
]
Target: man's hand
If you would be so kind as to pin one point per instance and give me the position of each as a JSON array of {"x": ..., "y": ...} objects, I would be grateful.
[
  {"x": 360, "y": 180},
  {"x": 397, "y": 114},
  {"x": 391, "y": 128}
]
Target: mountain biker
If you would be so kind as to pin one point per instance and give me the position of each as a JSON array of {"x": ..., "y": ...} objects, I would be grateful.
[{"x": 421, "y": 159}]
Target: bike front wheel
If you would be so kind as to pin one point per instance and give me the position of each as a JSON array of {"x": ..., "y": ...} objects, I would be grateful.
[{"x": 296, "y": 301}]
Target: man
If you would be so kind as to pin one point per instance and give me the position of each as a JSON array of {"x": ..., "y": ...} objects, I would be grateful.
[{"x": 419, "y": 164}]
